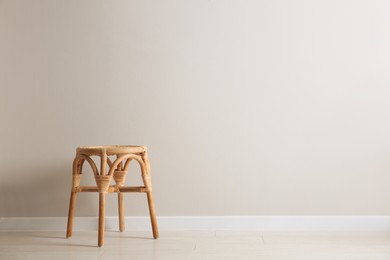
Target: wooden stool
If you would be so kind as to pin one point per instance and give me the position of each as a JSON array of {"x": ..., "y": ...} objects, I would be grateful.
[{"x": 109, "y": 170}]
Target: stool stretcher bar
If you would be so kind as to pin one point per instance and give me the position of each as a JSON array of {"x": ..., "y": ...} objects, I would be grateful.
[{"x": 112, "y": 189}]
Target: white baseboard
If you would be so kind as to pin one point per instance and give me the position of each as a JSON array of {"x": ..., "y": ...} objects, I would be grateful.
[{"x": 305, "y": 223}]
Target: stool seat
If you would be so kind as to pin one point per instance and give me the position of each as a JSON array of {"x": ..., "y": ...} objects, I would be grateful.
[
  {"x": 111, "y": 149},
  {"x": 111, "y": 169}
]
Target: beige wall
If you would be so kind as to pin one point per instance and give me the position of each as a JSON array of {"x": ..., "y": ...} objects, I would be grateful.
[{"x": 248, "y": 107}]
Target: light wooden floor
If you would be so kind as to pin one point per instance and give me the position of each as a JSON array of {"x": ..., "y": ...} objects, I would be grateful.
[{"x": 185, "y": 245}]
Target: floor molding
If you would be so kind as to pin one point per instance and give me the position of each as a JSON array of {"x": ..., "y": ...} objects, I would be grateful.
[{"x": 305, "y": 223}]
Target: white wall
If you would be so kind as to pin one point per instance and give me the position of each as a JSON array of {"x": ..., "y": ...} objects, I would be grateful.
[{"x": 247, "y": 107}]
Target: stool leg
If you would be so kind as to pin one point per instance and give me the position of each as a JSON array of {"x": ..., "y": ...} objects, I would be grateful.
[
  {"x": 121, "y": 212},
  {"x": 102, "y": 199},
  {"x": 152, "y": 215},
  {"x": 72, "y": 203}
]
